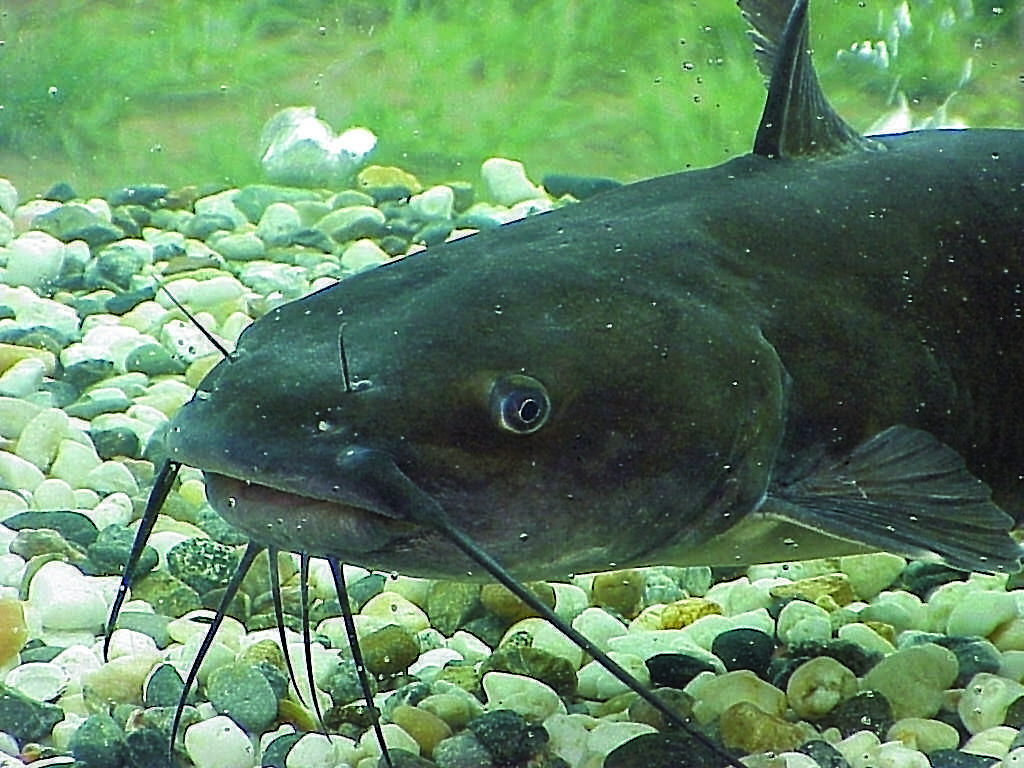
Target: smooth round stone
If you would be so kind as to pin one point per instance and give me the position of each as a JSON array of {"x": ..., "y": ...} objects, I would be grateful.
[
  {"x": 529, "y": 697},
  {"x": 240, "y": 246},
  {"x": 99, "y": 742},
  {"x": 824, "y": 754},
  {"x": 62, "y": 598},
  {"x": 202, "y": 564},
  {"x": 675, "y": 670},
  {"x": 744, "y": 648},
  {"x": 111, "y": 477},
  {"x": 619, "y": 591},
  {"x": 870, "y": 573},
  {"x": 315, "y": 750},
  {"x": 116, "y": 265},
  {"x": 23, "y": 378},
  {"x": 598, "y": 626},
  {"x": 389, "y": 650},
  {"x": 580, "y": 187},
  {"x": 954, "y": 758},
  {"x": 42, "y": 681},
  {"x": 117, "y": 442},
  {"x": 8, "y": 197},
  {"x": 719, "y": 693},
  {"x": 352, "y": 223},
  {"x": 363, "y": 254},
  {"x": 13, "y": 629},
  {"x": 800, "y": 621},
  {"x": 817, "y": 686},
  {"x": 18, "y": 474},
  {"x": 901, "y": 610},
  {"x": 595, "y": 682},
  {"x": 914, "y": 679},
  {"x": 74, "y": 462},
  {"x": 551, "y": 641},
  {"x": 425, "y": 727},
  {"x": 163, "y": 687},
  {"x": 73, "y": 526},
  {"x": 244, "y": 694},
  {"x": 24, "y": 718},
  {"x": 389, "y": 605},
  {"x": 219, "y": 743},
  {"x": 924, "y": 735},
  {"x": 508, "y": 737},
  {"x": 984, "y": 701},
  {"x": 506, "y": 183},
  {"x": 981, "y": 614},
  {"x": 745, "y": 727},
  {"x": 203, "y": 225},
  {"x": 53, "y": 494},
  {"x": 866, "y": 637},
  {"x": 994, "y": 742},
  {"x": 148, "y": 195},
  {"x": 15, "y": 414},
  {"x": 39, "y": 440},
  {"x": 434, "y": 204},
  {"x": 34, "y": 259},
  {"x": 463, "y": 750},
  {"x": 153, "y": 360},
  {"x": 278, "y": 224}
]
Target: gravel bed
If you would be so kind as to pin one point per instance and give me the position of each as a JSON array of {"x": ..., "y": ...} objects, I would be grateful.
[{"x": 844, "y": 663}]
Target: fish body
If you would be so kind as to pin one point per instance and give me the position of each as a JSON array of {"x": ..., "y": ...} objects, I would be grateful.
[
  {"x": 693, "y": 333},
  {"x": 792, "y": 354}
]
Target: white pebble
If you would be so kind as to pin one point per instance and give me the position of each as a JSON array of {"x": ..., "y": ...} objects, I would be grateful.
[
  {"x": 430, "y": 663},
  {"x": 598, "y": 626},
  {"x": 34, "y": 259},
  {"x": 42, "y": 681},
  {"x": 16, "y": 474},
  {"x": 859, "y": 748},
  {"x": 570, "y": 600},
  {"x": 12, "y": 570},
  {"x": 114, "y": 509},
  {"x": 8, "y": 202},
  {"x": 984, "y": 701},
  {"x": 39, "y": 440},
  {"x": 394, "y": 736},
  {"x": 568, "y": 736},
  {"x": 547, "y": 638},
  {"x": 53, "y": 493},
  {"x": 471, "y": 647},
  {"x": 595, "y": 682},
  {"x": 800, "y": 621},
  {"x": 434, "y": 204},
  {"x": 1015, "y": 759},
  {"x": 531, "y": 698},
  {"x": 363, "y": 254},
  {"x": 981, "y": 614},
  {"x": 506, "y": 183},
  {"x": 111, "y": 477},
  {"x": 992, "y": 742},
  {"x": 74, "y": 462},
  {"x": 64, "y": 599},
  {"x": 23, "y": 378},
  {"x": 864, "y": 636},
  {"x": 397, "y": 610},
  {"x": 15, "y": 414},
  {"x": 315, "y": 750},
  {"x": 219, "y": 743},
  {"x": 705, "y": 629}
]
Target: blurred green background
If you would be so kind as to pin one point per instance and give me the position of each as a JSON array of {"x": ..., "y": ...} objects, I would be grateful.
[{"x": 102, "y": 94}]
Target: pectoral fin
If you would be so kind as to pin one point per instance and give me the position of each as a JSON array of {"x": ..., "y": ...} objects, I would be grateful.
[{"x": 904, "y": 491}]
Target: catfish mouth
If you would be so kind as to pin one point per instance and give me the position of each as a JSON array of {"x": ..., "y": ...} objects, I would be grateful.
[{"x": 366, "y": 514}]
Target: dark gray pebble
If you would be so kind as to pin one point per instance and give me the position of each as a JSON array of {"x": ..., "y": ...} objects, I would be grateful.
[
  {"x": 662, "y": 750},
  {"x": 125, "y": 301},
  {"x": 92, "y": 404},
  {"x": 61, "y": 393},
  {"x": 202, "y": 225},
  {"x": 921, "y": 577},
  {"x": 114, "y": 267},
  {"x": 401, "y": 758},
  {"x": 243, "y": 693},
  {"x": 119, "y": 441},
  {"x": 744, "y": 648},
  {"x": 360, "y": 592},
  {"x": 62, "y": 191},
  {"x": 314, "y": 238},
  {"x": 507, "y": 736},
  {"x": 463, "y": 750},
  {"x": 163, "y": 687},
  {"x": 434, "y": 234},
  {"x": 867, "y": 711},
  {"x": 394, "y": 245},
  {"x": 37, "y": 336},
  {"x": 276, "y": 753},
  {"x": 824, "y": 754},
  {"x": 580, "y": 187},
  {"x": 62, "y": 222},
  {"x": 209, "y": 521},
  {"x": 202, "y": 564},
  {"x": 675, "y": 670},
  {"x": 954, "y": 758},
  {"x": 343, "y": 683},
  {"x": 410, "y": 695},
  {"x": 388, "y": 193},
  {"x": 463, "y": 195},
  {"x": 85, "y": 373},
  {"x": 96, "y": 235},
  {"x": 109, "y": 552},
  {"x": 73, "y": 526},
  {"x": 146, "y": 747},
  {"x": 98, "y": 743},
  {"x": 476, "y": 221},
  {"x": 127, "y": 223},
  {"x": 39, "y": 652},
  {"x": 148, "y": 195},
  {"x": 7, "y": 312}
]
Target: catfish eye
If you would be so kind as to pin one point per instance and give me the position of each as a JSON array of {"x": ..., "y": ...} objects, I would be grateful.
[{"x": 519, "y": 404}]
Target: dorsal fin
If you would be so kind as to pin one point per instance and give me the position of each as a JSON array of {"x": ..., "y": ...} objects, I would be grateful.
[{"x": 797, "y": 119}]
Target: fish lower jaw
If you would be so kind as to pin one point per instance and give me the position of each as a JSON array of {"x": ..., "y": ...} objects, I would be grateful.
[{"x": 298, "y": 523}]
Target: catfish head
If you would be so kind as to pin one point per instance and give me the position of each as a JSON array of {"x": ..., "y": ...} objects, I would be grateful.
[{"x": 566, "y": 412}]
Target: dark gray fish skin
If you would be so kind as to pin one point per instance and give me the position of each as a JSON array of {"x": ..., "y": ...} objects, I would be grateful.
[{"x": 657, "y": 373}]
